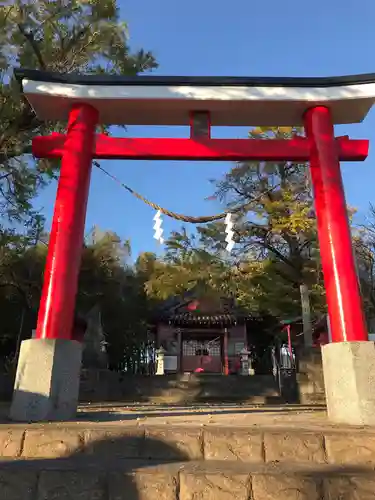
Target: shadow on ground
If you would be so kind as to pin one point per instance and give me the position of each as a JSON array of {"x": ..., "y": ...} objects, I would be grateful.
[
  {"x": 98, "y": 471},
  {"x": 106, "y": 385},
  {"x": 114, "y": 463}
]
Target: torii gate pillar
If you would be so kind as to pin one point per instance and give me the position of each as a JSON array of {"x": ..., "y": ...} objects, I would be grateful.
[
  {"x": 349, "y": 360},
  {"x": 318, "y": 104},
  {"x": 49, "y": 366}
]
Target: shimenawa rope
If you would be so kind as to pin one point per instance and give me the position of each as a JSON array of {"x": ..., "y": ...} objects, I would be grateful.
[{"x": 186, "y": 218}]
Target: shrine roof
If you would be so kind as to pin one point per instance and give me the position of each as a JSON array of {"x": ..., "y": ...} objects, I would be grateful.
[
  {"x": 168, "y": 100},
  {"x": 204, "y": 312},
  {"x": 197, "y": 319}
]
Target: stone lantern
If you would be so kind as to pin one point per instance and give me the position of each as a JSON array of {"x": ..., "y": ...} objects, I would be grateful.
[
  {"x": 160, "y": 353},
  {"x": 246, "y": 368}
]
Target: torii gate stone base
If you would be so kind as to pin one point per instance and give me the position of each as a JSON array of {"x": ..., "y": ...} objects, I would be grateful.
[{"x": 47, "y": 380}]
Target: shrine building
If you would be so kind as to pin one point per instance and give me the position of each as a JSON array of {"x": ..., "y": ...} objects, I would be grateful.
[{"x": 202, "y": 335}]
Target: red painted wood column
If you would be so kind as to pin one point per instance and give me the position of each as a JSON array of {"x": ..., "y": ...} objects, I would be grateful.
[
  {"x": 55, "y": 318},
  {"x": 225, "y": 349},
  {"x": 344, "y": 301}
]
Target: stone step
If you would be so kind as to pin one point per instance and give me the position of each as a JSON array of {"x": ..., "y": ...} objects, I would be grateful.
[
  {"x": 68, "y": 479},
  {"x": 317, "y": 444},
  {"x": 177, "y": 389},
  {"x": 190, "y": 397}
]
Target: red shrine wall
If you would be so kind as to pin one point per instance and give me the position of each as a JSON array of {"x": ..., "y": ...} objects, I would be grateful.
[{"x": 183, "y": 355}]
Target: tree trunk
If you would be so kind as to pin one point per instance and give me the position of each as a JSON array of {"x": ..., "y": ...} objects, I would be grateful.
[{"x": 306, "y": 315}]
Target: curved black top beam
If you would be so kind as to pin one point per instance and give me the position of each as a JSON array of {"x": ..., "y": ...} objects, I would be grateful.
[
  {"x": 168, "y": 100},
  {"x": 199, "y": 81}
]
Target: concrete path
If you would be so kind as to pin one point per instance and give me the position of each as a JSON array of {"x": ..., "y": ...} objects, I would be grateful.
[
  {"x": 227, "y": 415},
  {"x": 246, "y": 416}
]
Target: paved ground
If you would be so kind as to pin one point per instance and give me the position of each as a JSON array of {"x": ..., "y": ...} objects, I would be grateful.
[
  {"x": 215, "y": 414},
  {"x": 249, "y": 416},
  {"x": 233, "y": 415}
]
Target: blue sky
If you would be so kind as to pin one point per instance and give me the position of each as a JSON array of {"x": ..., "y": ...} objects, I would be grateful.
[{"x": 238, "y": 38}]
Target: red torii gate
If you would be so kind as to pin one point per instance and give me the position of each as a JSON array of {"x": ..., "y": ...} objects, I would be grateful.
[
  {"x": 86, "y": 101},
  {"x": 320, "y": 148}
]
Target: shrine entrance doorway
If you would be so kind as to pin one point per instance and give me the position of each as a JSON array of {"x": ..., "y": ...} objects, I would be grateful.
[{"x": 202, "y": 352}]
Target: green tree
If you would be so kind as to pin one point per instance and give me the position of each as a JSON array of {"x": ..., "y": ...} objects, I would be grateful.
[
  {"x": 275, "y": 257},
  {"x": 107, "y": 282},
  {"x": 276, "y": 229},
  {"x": 186, "y": 266},
  {"x": 364, "y": 247},
  {"x": 21, "y": 271},
  {"x": 53, "y": 35}
]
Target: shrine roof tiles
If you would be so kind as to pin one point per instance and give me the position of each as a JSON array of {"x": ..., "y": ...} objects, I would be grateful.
[{"x": 205, "y": 319}]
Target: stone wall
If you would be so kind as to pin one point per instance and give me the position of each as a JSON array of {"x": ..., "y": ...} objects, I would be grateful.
[
  {"x": 188, "y": 483},
  {"x": 310, "y": 379},
  {"x": 256, "y": 445},
  {"x": 103, "y": 385},
  {"x": 305, "y": 385},
  {"x": 218, "y": 464},
  {"x": 107, "y": 386}
]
